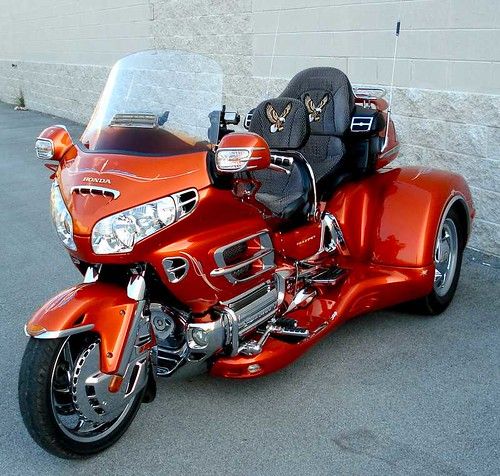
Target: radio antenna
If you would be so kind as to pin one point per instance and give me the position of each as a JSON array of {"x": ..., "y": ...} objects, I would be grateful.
[
  {"x": 389, "y": 107},
  {"x": 274, "y": 49}
]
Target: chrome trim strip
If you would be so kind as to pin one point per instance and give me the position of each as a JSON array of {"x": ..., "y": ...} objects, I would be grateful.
[
  {"x": 279, "y": 168},
  {"x": 179, "y": 203},
  {"x": 232, "y": 330},
  {"x": 357, "y": 91},
  {"x": 92, "y": 188},
  {"x": 390, "y": 151},
  {"x": 457, "y": 197},
  {"x": 231, "y": 269},
  {"x": 265, "y": 244},
  {"x": 127, "y": 354},
  {"x": 136, "y": 287},
  {"x": 170, "y": 272},
  {"x": 92, "y": 273},
  {"x": 313, "y": 180},
  {"x": 241, "y": 296},
  {"x": 61, "y": 333}
]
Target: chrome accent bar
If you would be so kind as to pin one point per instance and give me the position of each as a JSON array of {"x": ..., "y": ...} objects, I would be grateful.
[
  {"x": 301, "y": 299},
  {"x": 180, "y": 204},
  {"x": 361, "y": 124},
  {"x": 171, "y": 271},
  {"x": 265, "y": 243},
  {"x": 92, "y": 273},
  {"x": 281, "y": 276},
  {"x": 128, "y": 351},
  {"x": 140, "y": 120},
  {"x": 340, "y": 240},
  {"x": 231, "y": 269},
  {"x": 390, "y": 151},
  {"x": 136, "y": 287},
  {"x": 363, "y": 92},
  {"x": 279, "y": 168},
  {"x": 61, "y": 333},
  {"x": 92, "y": 189},
  {"x": 328, "y": 277},
  {"x": 232, "y": 335}
]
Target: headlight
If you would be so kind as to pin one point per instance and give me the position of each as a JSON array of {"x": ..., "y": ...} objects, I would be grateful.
[
  {"x": 119, "y": 233},
  {"x": 61, "y": 217}
]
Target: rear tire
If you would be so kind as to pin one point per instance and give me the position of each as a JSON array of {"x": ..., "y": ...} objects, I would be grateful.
[
  {"x": 448, "y": 254},
  {"x": 37, "y": 408}
]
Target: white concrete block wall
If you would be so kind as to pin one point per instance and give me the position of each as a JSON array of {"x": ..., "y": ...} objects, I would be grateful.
[
  {"x": 447, "y": 96},
  {"x": 57, "y": 52}
]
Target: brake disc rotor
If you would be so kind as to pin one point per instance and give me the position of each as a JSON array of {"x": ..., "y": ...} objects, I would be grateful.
[{"x": 89, "y": 389}]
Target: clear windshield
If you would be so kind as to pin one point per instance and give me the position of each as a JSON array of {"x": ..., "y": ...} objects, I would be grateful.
[{"x": 158, "y": 103}]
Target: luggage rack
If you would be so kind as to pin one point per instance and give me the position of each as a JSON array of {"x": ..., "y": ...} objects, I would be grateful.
[{"x": 368, "y": 93}]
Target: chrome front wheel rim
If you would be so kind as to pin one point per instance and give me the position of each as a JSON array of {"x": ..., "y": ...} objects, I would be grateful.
[
  {"x": 445, "y": 257},
  {"x": 65, "y": 407}
]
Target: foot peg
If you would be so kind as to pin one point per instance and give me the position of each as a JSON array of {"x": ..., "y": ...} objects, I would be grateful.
[
  {"x": 283, "y": 327},
  {"x": 329, "y": 277}
]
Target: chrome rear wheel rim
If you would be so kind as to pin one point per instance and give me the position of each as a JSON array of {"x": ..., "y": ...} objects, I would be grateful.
[{"x": 445, "y": 257}]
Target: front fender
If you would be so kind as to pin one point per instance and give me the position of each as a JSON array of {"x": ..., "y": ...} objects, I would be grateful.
[
  {"x": 102, "y": 308},
  {"x": 392, "y": 217}
]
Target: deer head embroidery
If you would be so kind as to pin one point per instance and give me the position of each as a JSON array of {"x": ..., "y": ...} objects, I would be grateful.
[
  {"x": 277, "y": 120},
  {"x": 315, "y": 111}
]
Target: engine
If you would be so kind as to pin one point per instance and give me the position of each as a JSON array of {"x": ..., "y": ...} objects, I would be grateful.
[{"x": 181, "y": 343}]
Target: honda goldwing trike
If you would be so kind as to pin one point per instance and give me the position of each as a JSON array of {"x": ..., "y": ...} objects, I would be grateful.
[{"x": 204, "y": 248}]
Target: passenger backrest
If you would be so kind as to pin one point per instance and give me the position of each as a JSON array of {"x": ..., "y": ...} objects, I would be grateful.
[
  {"x": 282, "y": 122},
  {"x": 327, "y": 95}
]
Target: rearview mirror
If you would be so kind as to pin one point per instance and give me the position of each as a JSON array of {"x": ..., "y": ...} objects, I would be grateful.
[
  {"x": 230, "y": 118},
  {"x": 238, "y": 152},
  {"x": 53, "y": 143}
]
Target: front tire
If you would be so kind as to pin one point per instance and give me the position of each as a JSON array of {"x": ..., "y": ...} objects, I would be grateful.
[{"x": 47, "y": 402}]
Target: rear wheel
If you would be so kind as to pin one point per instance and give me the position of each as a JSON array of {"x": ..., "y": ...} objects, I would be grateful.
[
  {"x": 448, "y": 253},
  {"x": 64, "y": 400}
]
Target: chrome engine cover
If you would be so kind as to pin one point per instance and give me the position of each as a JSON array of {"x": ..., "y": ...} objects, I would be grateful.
[{"x": 254, "y": 307}]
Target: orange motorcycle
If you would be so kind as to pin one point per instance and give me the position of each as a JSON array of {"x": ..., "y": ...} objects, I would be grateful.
[{"x": 203, "y": 246}]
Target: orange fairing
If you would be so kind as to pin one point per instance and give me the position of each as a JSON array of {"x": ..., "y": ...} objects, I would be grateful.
[
  {"x": 105, "y": 306},
  {"x": 137, "y": 179},
  {"x": 392, "y": 217},
  {"x": 367, "y": 288}
]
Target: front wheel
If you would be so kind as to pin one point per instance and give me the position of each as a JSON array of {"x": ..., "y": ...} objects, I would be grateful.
[{"x": 64, "y": 400}]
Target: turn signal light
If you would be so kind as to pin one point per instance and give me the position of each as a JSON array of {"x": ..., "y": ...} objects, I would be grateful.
[
  {"x": 44, "y": 149},
  {"x": 242, "y": 151},
  {"x": 34, "y": 330}
]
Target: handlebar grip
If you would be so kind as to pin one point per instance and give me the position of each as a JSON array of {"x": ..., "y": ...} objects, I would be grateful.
[{"x": 281, "y": 160}]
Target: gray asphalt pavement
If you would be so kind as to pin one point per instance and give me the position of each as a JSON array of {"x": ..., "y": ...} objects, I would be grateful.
[{"x": 388, "y": 393}]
